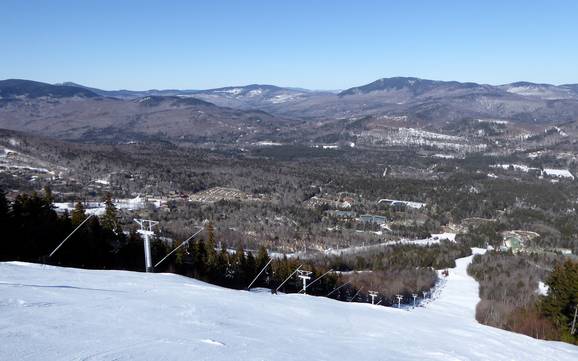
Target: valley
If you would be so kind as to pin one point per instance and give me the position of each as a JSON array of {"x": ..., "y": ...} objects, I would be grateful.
[{"x": 375, "y": 200}]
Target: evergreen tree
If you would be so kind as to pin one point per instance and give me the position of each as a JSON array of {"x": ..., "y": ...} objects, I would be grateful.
[
  {"x": 210, "y": 233},
  {"x": 559, "y": 305},
  {"x": 199, "y": 259},
  {"x": 239, "y": 267},
  {"x": 6, "y": 226},
  {"x": 110, "y": 218},
  {"x": 250, "y": 268},
  {"x": 211, "y": 253},
  {"x": 78, "y": 214},
  {"x": 130, "y": 255},
  {"x": 261, "y": 260},
  {"x": 262, "y": 257},
  {"x": 48, "y": 196},
  {"x": 35, "y": 227},
  {"x": 224, "y": 271}
]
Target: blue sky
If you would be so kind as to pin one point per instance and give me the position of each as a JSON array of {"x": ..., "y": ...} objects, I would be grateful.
[{"x": 312, "y": 44}]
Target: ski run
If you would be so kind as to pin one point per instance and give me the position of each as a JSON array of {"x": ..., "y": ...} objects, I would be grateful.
[{"x": 53, "y": 313}]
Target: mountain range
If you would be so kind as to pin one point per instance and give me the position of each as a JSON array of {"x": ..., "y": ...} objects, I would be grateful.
[{"x": 255, "y": 112}]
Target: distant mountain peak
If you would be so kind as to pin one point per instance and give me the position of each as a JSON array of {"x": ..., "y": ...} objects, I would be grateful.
[
  {"x": 156, "y": 100},
  {"x": 413, "y": 85},
  {"x": 15, "y": 88}
]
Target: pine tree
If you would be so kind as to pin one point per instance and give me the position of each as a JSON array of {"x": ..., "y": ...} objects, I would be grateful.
[
  {"x": 78, "y": 214},
  {"x": 211, "y": 254},
  {"x": 262, "y": 260},
  {"x": 210, "y": 233},
  {"x": 562, "y": 298},
  {"x": 239, "y": 267},
  {"x": 250, "y": 268},
  {"x": 48, "y": 196},
  {"x": 226, "y": 262},
  {"x": 199, "y": 259},
  {"x": 109, "y": 220},
  {"x": 6, "y": 226}
]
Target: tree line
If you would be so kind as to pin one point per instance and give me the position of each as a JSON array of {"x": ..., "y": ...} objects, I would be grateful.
[
  {"x": 510, "y": 299},
  {"x": 33, "y": 230}
]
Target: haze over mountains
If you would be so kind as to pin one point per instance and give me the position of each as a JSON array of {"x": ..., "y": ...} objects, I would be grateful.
[{"x": 257, "y": 112}]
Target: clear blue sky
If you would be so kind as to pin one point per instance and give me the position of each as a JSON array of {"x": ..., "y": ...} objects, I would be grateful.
[{"x": 312, "y": 44}]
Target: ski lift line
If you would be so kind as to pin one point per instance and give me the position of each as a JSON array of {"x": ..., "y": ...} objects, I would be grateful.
[
  {"x": 71, "y": 233},
  {"x": 335, "y": 289},
  {"x": 263, "y": 269},
  {"x": 287, "y": 279},
  {"x": 317, "y": 279},
  {"x": 355, "y": 295},
  {"x": 174, "y": 250}
]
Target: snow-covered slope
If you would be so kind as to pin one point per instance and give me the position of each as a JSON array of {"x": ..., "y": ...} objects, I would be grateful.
[{"x": 55, "y": 313}]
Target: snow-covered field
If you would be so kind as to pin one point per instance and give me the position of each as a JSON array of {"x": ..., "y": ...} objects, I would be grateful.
[
  {"x": 559, "y": 173},
  {"x": 51, "y": 313}
]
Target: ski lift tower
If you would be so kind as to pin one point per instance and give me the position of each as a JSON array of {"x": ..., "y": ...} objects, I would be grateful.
[
  {"x": 399, "y": 298},
  {"x": 305, "y": 276},
  {"x": 372, "y": 294},
  {"x": 146, "y": 230}
]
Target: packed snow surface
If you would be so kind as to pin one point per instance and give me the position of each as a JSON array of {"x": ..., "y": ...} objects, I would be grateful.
[{"x": 51, "y": 313}]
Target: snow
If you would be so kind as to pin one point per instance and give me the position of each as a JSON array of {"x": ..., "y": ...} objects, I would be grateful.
[
  {"x": 415, "y": 205},
  {"x": 434, "y": 239},
  {"x": 542, "y": 289},
  {"x": 494, "y": 121},
  {"x": 283, "y": 98},
  {"x": 6, "y": 152},
  {"x": 443, "y": 156},
  {"x": 268, "y": 143},
  {"x": 520, "y": 167},
  {"x": 53, "y": 313},
  {"x": 233, "y": 91},
  {"x": 326, "y": 146},
  {"x": 33, "y": 169},
  {"x": 98, "y": 208},
  {"x": 559, "y": 173}
]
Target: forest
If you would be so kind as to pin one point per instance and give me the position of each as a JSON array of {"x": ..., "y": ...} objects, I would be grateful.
[
  {"x": 33, "y": 230},
  {"x": 293, "y": 192},
  {"x": 510, "y": 299}
]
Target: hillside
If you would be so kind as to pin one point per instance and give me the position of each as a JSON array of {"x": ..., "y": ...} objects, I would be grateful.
[
  {"x": 17, "y": 88},
  {"x": 249, "y": 114},
  {"x": 78, "y": 114},
  {"x": 101, "y": 315}
]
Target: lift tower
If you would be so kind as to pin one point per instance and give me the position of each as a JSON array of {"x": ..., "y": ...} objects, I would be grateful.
[
  {"x": 305, "y": 276},
  {"x": 146, "y": 230},
  {"x": 373, "y": 294}
]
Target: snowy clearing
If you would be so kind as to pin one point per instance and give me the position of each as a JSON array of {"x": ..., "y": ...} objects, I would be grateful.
[
  {"x": 51, "y": 313},
  {"x": 393, "y": 202},
  {"x": 434, "y": 239},
  {"x": 559, "y": 173}
]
